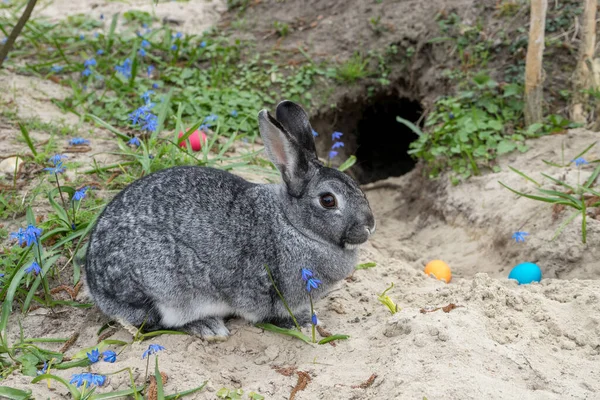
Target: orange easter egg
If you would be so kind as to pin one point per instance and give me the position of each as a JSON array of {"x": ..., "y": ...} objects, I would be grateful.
[{"x": 439, "y": 270}]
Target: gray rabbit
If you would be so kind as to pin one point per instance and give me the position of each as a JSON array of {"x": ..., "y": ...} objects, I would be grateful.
[{"x": 186, "y": 247}]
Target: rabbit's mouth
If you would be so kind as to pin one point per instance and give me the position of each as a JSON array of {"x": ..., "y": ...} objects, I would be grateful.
[{"x": 352, "y": 246}]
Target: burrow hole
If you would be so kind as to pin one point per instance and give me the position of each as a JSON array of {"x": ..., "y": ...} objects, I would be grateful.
[{"x": 372, "y": 133}]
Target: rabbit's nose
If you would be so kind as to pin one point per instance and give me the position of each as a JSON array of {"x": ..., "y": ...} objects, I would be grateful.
[{"x": 371, "y": 230}]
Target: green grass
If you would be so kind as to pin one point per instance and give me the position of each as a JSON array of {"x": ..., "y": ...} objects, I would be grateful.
[{"x": 353, "y": 69}]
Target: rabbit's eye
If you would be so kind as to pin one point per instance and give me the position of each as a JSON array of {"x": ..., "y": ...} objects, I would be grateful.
[{"x": 328, "y": 200}]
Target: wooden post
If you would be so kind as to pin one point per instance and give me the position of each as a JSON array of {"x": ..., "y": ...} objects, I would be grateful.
[
  {"x": 583, "y": 78},
  {"x": 533, "y": 66},
  {"x": 16, "y": 31}
]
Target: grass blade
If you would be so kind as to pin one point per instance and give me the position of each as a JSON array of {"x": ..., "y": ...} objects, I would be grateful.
[
  {"x": 283, "y": 331},
  {"x": 559, "y": 182},
  {"x": 160, "y": 391},
  {"x": 74, "y": 392},
  {"x": 118, "y": 394},
  {"x": 185, "y": 392},
  {"x": 592, "y": 178},
  {"x": 111, "y": 32},
  {"x": 332, "y": 338},
  {"x": 538, "y": 198},
  {"x": 525, "y": 176},
  {"x": 27, "y": 138},
  {"x": 564, "y": 224},
  {"x": 409, "y": 124},
  {"x": 14, "y": 394},
  {"x": 348, "y": 163},
  {"x": 582, "y": 153},
  {"x": 107, "y": 126},
  {"x": 365, "y": 265},
  {"x": 8, "y": 301}
]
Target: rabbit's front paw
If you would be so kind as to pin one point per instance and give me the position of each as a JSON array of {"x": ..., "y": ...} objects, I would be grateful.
[
  {"x": 302, "y": 317},
  {"x": 210, "y": 329}
]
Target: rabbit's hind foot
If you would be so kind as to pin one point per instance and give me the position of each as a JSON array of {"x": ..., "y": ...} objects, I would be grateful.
[{"x": 211, "y": 329}]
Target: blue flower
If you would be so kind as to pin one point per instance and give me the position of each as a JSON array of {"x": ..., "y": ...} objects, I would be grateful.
[
  {"x": 150, "y": 124},
  {"x": 32, "y": 234},
  {"x": 145, "y": 43},
  {"x": 312, "y": 283},
  {"x": 101, "y": 16},
  {"x": 178, "y": 35},
  {"x": 90, "y": 62},
  {"x": 57, "y": 169},
  {"x": 81, "y": 37},
  {"x": 306, "y": 274},
  {"x": 100, "y": 52},
  {"x": 174, "y": 47},
  {"x": 134, "y": 141},
  {"x": 210, "y": 118},
  {"x": 152, "y": 349},
  {"x": 109, "y": 356},
  {"x": 580, "y": 161},
  {"x": 3, "y": 41},
  {"x": 87, "y": 72},
  {"x": 19, "y": 235},
  {"x": 96, "y": 35},
  {"x": 78, "y": 141},
  {"x": 144, "y": 25},
  {"x": 150, "y": 69},
  {"x": 333, "y": 153},
  {"x": 44, "y": 369},
  {"x": 142, "y": 52},
  {"x": 314, "y": 133},
  {"x": 88, "y": 379},
  {"x": 124, "y": 69},
  {"x": 203, "y": 44},
  {"x": 520, "y": 236},
  {"x": 146, "y": 95},
  {"x": 56, "y": 68},
  {"x": 57, "y": 158},
  {"x": 94, "y": 356},
  {"x": 451, "y": 115},
  {"x": 336, "y": 135},
  {"x": 234, "y": 113},
  {"x": 140, "y": 113},
  {"x": 314, "y": 319},
  {"x": 155, "y": 86},
  {"x": 337, "y": 145},
  {"x": 34, "y": 267},
  {"x": 80, "y": 194}
]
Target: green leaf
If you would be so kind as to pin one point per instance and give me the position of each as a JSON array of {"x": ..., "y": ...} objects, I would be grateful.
[
  {"x": 107, "y": 126},
  {"x": 117, "y": 395},
  {"x": 14, "y": 394},
  {"x": 505, "y": 146},
  {"x": 365, "y": 265},
  {"x": 348, "y": 163},
  {"x": 409, "y": 124},
  {"x": 27, "y": 138},
  {"x": 332, "y": 338},
  {"x": 287, "y": 332},
  {"x": 185, "y": 392},
  {"x": 160, "y": 392},
  {"x": 74, "y": 392},
  {"x": 525, "y": 176}
]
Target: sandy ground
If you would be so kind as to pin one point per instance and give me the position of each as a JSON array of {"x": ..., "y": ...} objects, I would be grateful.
[{"x": 504, "y": 341}]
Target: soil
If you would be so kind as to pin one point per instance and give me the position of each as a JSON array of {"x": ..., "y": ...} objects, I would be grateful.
[{"x": 502, "y": 341}]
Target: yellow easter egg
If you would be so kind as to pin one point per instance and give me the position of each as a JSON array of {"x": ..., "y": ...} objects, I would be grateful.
[{"x": 439, "y": 270}]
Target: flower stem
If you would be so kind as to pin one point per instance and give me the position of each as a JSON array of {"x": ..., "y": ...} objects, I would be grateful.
[
  {"x": 312, "y": 312},
  {"x": 43, "y": 277},
  {"x": 285, "y": 304},
  {"x": 73, "y": 204},
  {"x": 146, "y": 374},
  {"x": 62, "y": 198}
]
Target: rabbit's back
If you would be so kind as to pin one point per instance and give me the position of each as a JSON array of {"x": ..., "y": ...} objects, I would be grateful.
[{"x": 158, "y": 238}]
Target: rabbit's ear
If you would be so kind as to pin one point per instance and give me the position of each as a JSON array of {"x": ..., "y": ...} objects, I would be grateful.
[
  {"x": 286, "y": 153},
  {"x": 295, "y": 120}
]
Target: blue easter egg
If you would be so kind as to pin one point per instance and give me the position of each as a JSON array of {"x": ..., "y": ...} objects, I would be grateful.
[{"x": 526, "y": 273}]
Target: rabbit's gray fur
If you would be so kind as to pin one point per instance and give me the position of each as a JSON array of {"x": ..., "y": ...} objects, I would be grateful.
[{"x": 186, "y": 247}]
